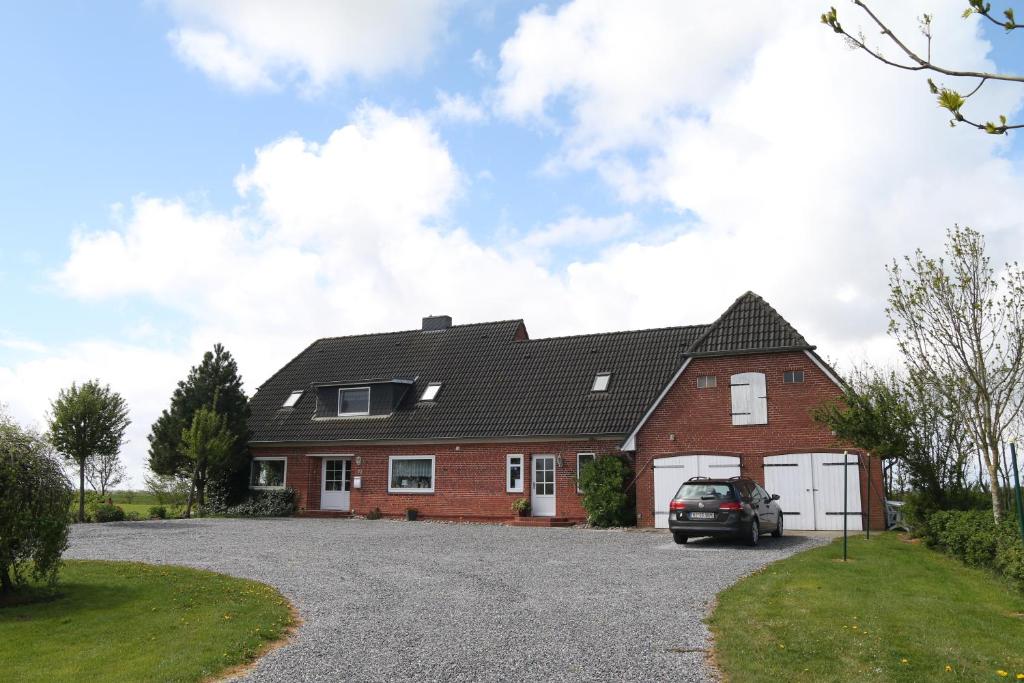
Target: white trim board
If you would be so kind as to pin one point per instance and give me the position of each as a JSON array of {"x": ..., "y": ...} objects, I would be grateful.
[{"x": 630, "y": 443}]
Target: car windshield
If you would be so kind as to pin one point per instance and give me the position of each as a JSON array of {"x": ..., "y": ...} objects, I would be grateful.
[{"x": 699, "y": 491}]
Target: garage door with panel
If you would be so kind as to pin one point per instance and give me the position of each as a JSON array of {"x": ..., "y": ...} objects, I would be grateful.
[
  {"x": 810, "y": 486},
  {"x": 671, "y": 473}
]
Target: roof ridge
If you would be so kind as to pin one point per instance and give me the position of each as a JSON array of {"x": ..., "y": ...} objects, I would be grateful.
[
  {"x": 718, "y": 321},
  {"x": 410, "y": 331},
  {"x": 613, "y": 332}
]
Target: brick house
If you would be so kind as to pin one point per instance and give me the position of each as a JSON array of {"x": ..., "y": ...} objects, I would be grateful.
[{"x": 459, "y": 421}]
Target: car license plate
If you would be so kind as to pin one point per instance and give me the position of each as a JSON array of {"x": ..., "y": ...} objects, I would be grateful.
[{"x": 702, "y": 515}]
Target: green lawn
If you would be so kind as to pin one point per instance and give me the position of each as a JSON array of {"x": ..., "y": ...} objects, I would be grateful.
[
  {"x": 897, "y": 612},
  {"x": 119, "y": 621}
]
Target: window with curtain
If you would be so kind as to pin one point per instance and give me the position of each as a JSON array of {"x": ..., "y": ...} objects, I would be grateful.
[
  {"x": 411, "y": 473},
  {"x": 267, "y": 473}
]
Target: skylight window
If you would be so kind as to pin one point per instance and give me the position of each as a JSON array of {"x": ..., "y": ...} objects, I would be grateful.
[
  {"x": 430, "y": 393},
  {"x": 601, "y": 381},
  {"x": 292, "y": 399}
]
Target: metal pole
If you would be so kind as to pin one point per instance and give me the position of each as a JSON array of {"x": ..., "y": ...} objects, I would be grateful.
[
  {"x": 1016, "y": 482},
  {"x": 846, "y": 476},
  {"x": 867, "y": 459}
]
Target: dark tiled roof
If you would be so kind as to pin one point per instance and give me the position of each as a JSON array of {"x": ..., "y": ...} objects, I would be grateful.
[
  {"x": 493, "y": 385},
  {"x": 749, "y": 325}
]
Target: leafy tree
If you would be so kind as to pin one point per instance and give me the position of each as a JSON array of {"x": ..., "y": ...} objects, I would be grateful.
[
  {"x": 214, "y": 383},
  {"x": 168, "y": 489},
  {"x": 105, "y": 472},
  {"x": 33, "y": 507},
  {"x": 961, "y": 333},
  {"x": 603, "y": 483},
  {"x": 899, "y": 419},
  {"x": 206, "y": 443},
  {"x": 915, "y": 60},
  {"x": 87, "y": 421}
]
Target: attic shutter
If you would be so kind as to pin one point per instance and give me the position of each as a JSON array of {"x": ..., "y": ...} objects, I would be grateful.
[
  {"x": 758, "y": 399},
  {"x": 741, "y": 407},
  {"x": 749, "y": 399}
]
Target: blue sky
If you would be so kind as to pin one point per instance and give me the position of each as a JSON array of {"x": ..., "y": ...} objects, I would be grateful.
[{"x": 612, "y": 166}]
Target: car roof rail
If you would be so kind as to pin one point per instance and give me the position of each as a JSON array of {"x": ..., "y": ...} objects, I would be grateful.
[
  {"x": 735, "y": 478},
  {"x": 697, "y": 478}
]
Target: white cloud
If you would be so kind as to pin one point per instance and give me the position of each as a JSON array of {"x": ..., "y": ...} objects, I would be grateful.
[
  {"x": 457, "y": 108},
  {"x": 261, "y": 44},
  {"x": 480, "y": 61},
  {"x": 800, "y": 169}
]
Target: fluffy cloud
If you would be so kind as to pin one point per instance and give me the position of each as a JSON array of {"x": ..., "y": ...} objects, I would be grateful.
[
  {"x": 807, "y": 166},
  {"x": 260, "y": 44},
  {"x": 797, "y": 169}
]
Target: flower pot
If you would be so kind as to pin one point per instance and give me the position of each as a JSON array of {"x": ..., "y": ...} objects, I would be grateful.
[{"x": 523, "y": 513}]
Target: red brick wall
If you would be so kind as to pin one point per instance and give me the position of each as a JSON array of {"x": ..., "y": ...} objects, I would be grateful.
[
  {"x": 699, "y": 421},
  {"x": 469, "y": 479}
]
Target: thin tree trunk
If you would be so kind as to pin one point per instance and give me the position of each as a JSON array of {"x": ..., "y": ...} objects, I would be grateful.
[
  {"x": 993, "y": 478},
  {"x": 81, "y": 490},
  {"x": 191, "y": 495},
  {"x": 201, "y": 493},
  {"x": 5, "y": 579}
]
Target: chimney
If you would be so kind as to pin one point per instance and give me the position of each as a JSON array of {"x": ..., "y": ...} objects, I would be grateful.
[{"x": 436, "y": 323}]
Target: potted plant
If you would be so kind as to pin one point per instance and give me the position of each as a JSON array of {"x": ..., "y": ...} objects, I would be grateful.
[
  {"x": 521, "y": 507},
  {"x": 411, "y": 514}
]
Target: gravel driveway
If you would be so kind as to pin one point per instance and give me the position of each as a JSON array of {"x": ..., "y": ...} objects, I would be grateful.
[{"x": 433, "y": 601}]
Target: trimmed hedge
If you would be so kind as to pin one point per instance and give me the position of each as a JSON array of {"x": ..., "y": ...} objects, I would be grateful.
[
  {"x": 973, "y": 537},
  {"x": 109, "y": 513},
  {"x": 273, "y": 503}
]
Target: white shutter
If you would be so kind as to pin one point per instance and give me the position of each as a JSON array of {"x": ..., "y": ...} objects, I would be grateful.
[
  {"x": 758, "y": 399},
  {"x": 741, "y": 408}
]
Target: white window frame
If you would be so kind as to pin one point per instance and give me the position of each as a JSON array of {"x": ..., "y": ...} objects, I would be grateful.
[
  {"x": 579, "y": 467},
  {"x": 284, "y": 477},
  {"x": 433, "y": 473},
  {"x": 508, "y": 472},
  {"x": 606, "y": 376},
  {"x": 368, "y": 398},
  {"x": 706, "y": 385},
  {"x": 293, "y": 398},
  {"x": 436, "y": 386}
]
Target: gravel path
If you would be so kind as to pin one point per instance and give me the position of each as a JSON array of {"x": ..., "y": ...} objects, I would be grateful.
[{"x": 420, "y": 601}]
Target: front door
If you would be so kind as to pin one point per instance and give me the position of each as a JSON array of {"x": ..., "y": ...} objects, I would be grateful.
[
  {"x": 337, "y": 484},
  {"x": 542, "y": 497}
]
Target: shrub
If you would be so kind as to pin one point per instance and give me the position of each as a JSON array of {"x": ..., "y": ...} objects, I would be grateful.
[
  {"x": 375, "y": 513},
  {"x": 33, "y": 508},
  {"x": 521, "y": 506},
  {"x": 158, "y": 512},
  {"x": 603, "y": 483},
  {"x": 132, "y": 516},
  {"x": 109, "y": 513},
  {"x": 273, "y": 503},
  {"x": 973, "y": 537}
]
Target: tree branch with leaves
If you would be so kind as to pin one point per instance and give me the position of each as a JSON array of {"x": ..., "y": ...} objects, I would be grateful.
[{"x": 948, "y": 98}]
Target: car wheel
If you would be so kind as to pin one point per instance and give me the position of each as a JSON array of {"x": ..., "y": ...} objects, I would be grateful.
[
  {"x": 778, "y": 528},
  {"x": 679, "y": 538},
  {"x": 755, "y": 533}
]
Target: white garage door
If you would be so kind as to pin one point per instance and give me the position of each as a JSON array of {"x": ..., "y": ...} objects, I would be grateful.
[
  {"x": 810, "y": 486},
  {"x": 671, "y": 473}
]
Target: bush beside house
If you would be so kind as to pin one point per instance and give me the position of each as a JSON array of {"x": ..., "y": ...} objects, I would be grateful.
[
  {"x": 973, "y": 537},
  {"x": 603, "y": 483},
  {"x": 273, "y": 503}
]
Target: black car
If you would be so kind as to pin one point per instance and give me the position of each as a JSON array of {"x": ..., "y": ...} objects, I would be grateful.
[{"x": 736, "y": 508}]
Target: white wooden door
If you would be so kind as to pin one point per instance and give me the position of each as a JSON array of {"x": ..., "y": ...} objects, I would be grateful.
[
  {"x": 792, "y": 477},
  {"x": 542, "y": 489},
  {"x": 671, "y": 473},
  {"x": 828, "y": 495},
  {"x": 810, "y": 488},
  {"x": 336, "y": 484}
]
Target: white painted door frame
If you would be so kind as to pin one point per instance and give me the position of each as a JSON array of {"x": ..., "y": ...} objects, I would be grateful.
[
  {"x": 542, "y": 485},
  {"x": 339, "y": 496}
]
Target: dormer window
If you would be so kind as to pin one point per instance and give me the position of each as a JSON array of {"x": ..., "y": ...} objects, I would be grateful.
[
  {"x": 430, "y": 393},
  {"x": 292, "y": 399},
  {"x": 354, "y": 401},
  {"x": 601, "y": 381}
]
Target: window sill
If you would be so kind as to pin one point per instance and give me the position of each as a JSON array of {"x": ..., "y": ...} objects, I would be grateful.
[
  {"x": 413, "y": 491},
  {"x": 267, "y": 488}
]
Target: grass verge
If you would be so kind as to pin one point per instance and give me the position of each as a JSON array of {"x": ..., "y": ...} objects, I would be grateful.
[
  {"x": 896, "y": 612},
  {"x": 121, "y": 621}
]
